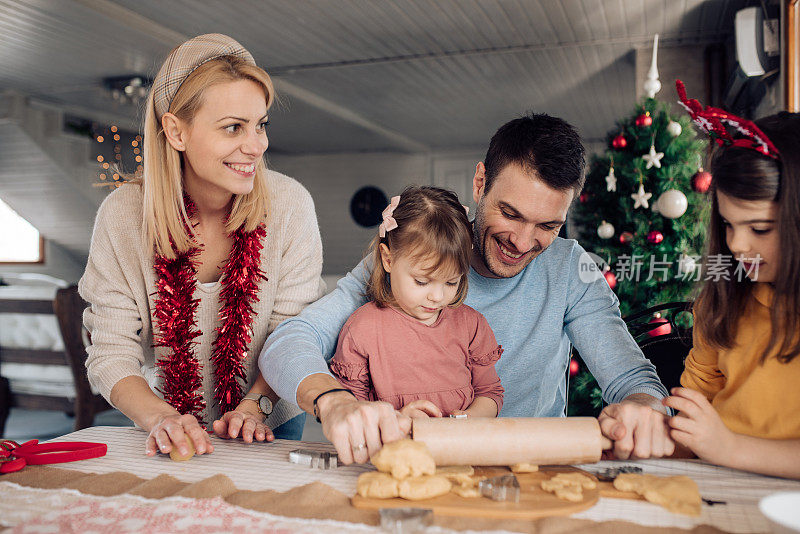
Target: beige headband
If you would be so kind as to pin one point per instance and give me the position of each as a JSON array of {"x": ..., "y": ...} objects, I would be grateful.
[{"x": 185, "y": 59}]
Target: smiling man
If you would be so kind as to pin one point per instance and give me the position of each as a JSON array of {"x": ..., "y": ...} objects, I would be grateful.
[{"x": 527, "y": 282}]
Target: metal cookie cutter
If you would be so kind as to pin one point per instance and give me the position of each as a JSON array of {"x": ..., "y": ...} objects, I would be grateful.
[
  {"x": 610, "y": 473},
  {"x": 314, "y": 459},
  {"x": 406, "y": 520},
  {"x": 504, "y": 488}
]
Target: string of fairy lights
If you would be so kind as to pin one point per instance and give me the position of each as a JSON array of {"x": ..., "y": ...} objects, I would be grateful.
[{"x": 119, "y": 154}]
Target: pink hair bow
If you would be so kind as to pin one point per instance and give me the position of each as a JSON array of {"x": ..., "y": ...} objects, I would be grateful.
[{"x": 389, "y": 223}]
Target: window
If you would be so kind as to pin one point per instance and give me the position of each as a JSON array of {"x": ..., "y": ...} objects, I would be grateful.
[{"x": 19, "y": 241}]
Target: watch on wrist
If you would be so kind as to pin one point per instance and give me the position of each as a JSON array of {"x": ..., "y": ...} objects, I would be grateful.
[{"x": 263, "y": 402}]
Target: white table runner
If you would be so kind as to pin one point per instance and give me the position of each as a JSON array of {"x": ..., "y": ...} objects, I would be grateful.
[{"x": 260, "y": 466}]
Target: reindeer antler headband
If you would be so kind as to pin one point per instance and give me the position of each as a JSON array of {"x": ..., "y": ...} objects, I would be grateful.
[{"x": 713, "y": 120}]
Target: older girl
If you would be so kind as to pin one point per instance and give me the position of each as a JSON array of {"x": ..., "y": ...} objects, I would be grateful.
[
  {"x": 739, "y": 406},
  {"x": 194, "y": 265}
]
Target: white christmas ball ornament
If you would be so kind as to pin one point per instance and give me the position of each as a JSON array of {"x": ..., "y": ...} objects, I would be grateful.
[
  {"x": 672, "y": 204},
  {"x": 605, "y": 230},
  {"x": 674, "y": 128}
]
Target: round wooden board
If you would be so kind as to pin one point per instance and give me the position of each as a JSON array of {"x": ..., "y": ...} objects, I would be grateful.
[{"x": 533, "y": 503}]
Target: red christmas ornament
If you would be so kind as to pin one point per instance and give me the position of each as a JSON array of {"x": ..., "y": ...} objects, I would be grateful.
[
  {"x": 619, "y": 142},
  {"x": 574, "y": 367},
  {"x": 662, "y": 330},
  {"x": 701, "y": 181},
  {"x": 176, "y": 325},
  {"x": 644, "y": 120},
  {"x": 583, "y": 198},
  {"x": 625, "y": 238},
  {"x": 655, "y": 237},
  {"x": 611, "y": 278}
]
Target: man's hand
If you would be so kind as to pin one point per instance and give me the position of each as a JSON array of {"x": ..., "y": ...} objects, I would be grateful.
[
  {"x": 637, "y": 427},
  {"x": 358, "y": 429},
  {"x": 699, "y": 427}
]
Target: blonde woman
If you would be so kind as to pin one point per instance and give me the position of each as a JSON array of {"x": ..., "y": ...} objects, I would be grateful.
[{"x": 191, "y": 267}]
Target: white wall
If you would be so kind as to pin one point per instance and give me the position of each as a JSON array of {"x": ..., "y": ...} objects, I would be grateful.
[{"x": 332, "y": 179}]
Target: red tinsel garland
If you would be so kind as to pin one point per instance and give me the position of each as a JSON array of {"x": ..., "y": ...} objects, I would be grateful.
[{"x": 177, "y": 327}]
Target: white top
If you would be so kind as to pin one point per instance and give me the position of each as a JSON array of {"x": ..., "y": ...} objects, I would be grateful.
[{"x": 120, "y": 285}]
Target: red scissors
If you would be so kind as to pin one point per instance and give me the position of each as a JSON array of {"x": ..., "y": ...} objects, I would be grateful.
[{"x": 14, "y": 456}]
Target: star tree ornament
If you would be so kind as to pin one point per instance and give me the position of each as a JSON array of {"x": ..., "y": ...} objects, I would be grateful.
[
  {"x": 653, "y": 158},
  {"x": 640, "y": 198},
  {"x": 611, "y": 180}
]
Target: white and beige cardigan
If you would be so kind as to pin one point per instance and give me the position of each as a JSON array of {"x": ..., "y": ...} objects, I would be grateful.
[{"x": 120, "y": 285}]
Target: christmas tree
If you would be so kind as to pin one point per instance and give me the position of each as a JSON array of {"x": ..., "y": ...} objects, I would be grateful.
[{"x": 642, "y": 213}]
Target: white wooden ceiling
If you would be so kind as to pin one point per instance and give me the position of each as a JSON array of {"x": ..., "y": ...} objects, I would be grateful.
[{"x": 354, "y": 75}]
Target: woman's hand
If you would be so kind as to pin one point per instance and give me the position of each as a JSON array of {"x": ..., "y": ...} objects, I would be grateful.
[
  {"x": 358, "y": 429},
  {"x": 250, "y": 424},
  {"x": 170, "y": 431},
  {"x": 699, "y": 427},
  {"x": 421, "y": 408}
]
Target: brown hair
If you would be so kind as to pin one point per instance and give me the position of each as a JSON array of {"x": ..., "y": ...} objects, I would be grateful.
[
  {"x": 164, "y": 215},
  {"x": 747, "y": 175},
  {"x": 431, "y": 225}
]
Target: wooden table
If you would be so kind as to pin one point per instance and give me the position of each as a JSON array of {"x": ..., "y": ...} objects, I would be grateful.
[{"x": 259, "y": 466}]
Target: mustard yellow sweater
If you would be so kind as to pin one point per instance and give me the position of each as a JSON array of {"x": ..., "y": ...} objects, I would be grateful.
[{"x": 761, "y": 400}]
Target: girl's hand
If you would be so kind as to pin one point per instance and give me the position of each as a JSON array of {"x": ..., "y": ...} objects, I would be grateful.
[
  {"x": 250, "y": 424},
  {"x": 171, "y": 430},
  {"x": 421, "y": 408},
  {"x": 699, "y": 427}
]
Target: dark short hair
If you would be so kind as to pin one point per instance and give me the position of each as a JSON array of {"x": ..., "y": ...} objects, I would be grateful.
[{"x": 546, "y": 146}]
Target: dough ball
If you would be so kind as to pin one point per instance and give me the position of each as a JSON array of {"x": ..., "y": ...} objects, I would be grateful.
[
  {"x": 524, "y": 467},
  {"x": 175, "y": 454},
  {"x": 423, "y": 487},
  {"x": 405, "y": 458},
  {"x": 377, "y": 485}
]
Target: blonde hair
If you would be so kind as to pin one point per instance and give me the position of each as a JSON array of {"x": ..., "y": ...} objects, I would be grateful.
[
  {"x": 166, "y": 226},
  {"x": 432, "y": 225}
]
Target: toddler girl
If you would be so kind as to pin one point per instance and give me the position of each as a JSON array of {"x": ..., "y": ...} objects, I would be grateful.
[
  {"x": 739, "y": 406},
  {"x": 415, "y": 345}
]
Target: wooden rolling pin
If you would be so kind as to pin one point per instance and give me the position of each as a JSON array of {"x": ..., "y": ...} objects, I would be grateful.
[{"x": 508, "y": 440}]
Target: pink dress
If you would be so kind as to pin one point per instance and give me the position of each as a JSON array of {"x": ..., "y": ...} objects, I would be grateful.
[{"x": 383, "y": 354}]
